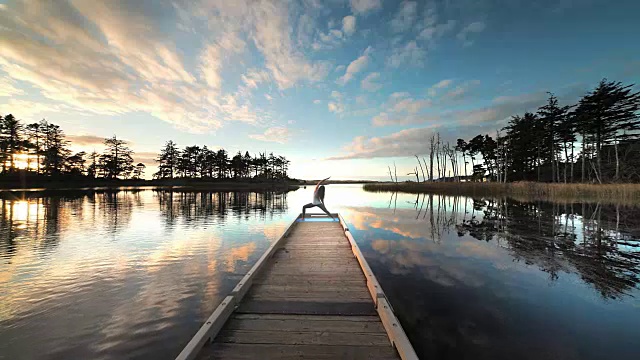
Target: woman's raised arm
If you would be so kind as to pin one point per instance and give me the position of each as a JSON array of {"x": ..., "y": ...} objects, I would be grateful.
[{"x": 320, "y": 182}]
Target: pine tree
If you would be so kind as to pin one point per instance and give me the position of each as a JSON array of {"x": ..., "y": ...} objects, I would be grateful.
[{"x": 117, "y": 159}]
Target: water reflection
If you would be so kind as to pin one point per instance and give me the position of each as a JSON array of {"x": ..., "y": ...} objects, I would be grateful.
[
  {"x": 590, "y": 239},
  {"x": 124, "y": 273},
  {"x": 498, "y": 278},
  {"x": 134, "y": 273}
]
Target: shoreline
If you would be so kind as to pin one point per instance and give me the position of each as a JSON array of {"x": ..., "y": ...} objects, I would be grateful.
[
  {"x": 627, "y": 193},
  {"x": 175, "y": 184}
]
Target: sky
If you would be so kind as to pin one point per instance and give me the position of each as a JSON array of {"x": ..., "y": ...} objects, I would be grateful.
[{"x": 342, "y": 88}]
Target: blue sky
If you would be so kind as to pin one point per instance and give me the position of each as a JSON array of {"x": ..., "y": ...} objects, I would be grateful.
[{"x": 340, "y": 87}]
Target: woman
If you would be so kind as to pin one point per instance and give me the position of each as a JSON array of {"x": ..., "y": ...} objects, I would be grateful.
[{"x": 318, "y": 199}]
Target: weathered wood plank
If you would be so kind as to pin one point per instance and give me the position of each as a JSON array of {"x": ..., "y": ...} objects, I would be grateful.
[
  {"x": 302, "y": 264},
  {"x": 311, "y": 281},
  {"x": 301, "y": 338},
  {"x": 295, "y": 324},
  {"x": 320, "y": 297},
  {"x": 358, "y": 308},
  {"x": 351, "y": 318},
  {"x": 302, "y": 277},
  {"x": 285, "y": 288},
  {"x": 289, "y": 352}
]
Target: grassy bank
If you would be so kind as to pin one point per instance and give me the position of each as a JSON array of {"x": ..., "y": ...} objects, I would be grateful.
[{"x": 624, "y": 193}]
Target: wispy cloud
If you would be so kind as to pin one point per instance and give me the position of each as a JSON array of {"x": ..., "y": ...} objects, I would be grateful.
[
  {"x": 349, "y": 24},
  {"x": 472, "y": 28},
  {"x": 86, "y": 140},
  {"x": 409, "y": 54},
  {"x": 115, "y": 57},
  {"x": 402, "y": 143},
  {"x": 7, "y": 88},
  {"x": 364, "y": 6},
  {"x": 369, "y": 83},
  {"x": 405, "y": 17},
  {"x": 355, "y": 67},
  {"x": 277, "y": 134},
  {"x": 433, "y": 90}
]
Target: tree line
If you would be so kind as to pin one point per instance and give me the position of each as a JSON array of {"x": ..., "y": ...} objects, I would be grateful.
[
  {"x": 595, "y": 140},
  {"x": 43, "y": 149},
  {"x": 202, "y": 162}
]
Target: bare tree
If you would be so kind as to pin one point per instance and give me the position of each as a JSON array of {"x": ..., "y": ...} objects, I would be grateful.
[{"x": 419, "y": 163}]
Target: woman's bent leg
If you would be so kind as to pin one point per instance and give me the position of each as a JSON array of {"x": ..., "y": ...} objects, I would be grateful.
[
  {"x": 305, "y": 207},
  {"x": 321, "y": 206}
]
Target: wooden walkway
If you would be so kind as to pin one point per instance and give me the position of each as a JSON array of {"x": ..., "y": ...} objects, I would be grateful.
[{"x": 312, "y": 296}]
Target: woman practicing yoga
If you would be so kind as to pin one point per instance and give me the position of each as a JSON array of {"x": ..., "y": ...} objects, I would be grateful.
[{"x": 318, "y": 199}]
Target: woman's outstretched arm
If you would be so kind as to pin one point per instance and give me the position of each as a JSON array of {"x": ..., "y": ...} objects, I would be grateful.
[{"x": 320, "y": 182}]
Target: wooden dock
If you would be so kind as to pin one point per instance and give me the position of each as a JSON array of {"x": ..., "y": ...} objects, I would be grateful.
[{"x": 311, "y": 295}]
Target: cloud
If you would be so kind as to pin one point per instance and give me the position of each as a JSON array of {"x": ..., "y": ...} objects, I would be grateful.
[
  {"x": 340, "y": 68},
  {"x": 336, "y": 107},
  {"x": 30, "y": 111},
  {"x": 403, "y": 143},
  {"x": 7, "y": 88},
  {"x": 86, "y": 140},
  {"x": 329, "y": 40},
  {"x": 349, "y": 24},
  {"x": 432, "y": 91},
  {"x": 459, "y": 92},
  {"x": 401, "y": 109},
  {"x": 409, "y": 54},
  {"x": 317, "y": 101},
  {"x": 405, "y": 17},
  {"x": 369, "y": 82},
  {"x": 355, "y": 67},
  {"x": 473, "y": 28},
  {"x": 277, "y": 134},
  {"x": 490, "y": 117},
  {"x": 364, "y": 6},
  {"x": 253, "y": 77},
  {"x": 147, "y": 158},
  {"x": 121, "y": 57}
]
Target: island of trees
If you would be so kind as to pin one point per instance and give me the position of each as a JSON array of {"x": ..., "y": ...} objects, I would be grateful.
[{"x": 38, "y": 155}]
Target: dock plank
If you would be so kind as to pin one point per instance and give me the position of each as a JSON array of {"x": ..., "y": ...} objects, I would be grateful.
[
  {"x": 288, "y": 352},
  {"x": 302, "y": 337}
]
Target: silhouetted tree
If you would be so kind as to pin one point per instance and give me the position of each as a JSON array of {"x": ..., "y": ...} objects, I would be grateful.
[{"x": 117, "y": 160}]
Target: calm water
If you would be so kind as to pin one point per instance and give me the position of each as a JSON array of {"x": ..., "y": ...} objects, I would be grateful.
[{"x": 133, "y": 274}]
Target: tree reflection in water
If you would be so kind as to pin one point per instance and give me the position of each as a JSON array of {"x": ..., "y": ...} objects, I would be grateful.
[
  {"x": 599, "y": 242},
  {"x": 191, "y": 206}
]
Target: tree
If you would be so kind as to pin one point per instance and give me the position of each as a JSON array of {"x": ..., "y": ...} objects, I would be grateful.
[
  {"x": 55, "y": 149},
  {"x": 11, "y": 133},
  {"x": 605, "y": 116},
  {"x": 92, "y": 169},
  {"x": 138, "y": 171},
  {"x": 461, "y": 146},
  {"x": 34, "y": 139},
  {"x": 168, "y": 160},
  {"x": 75, "y": 164},
  {"x": 552, "y": 116},
  {"x": 117, "y": 159},
  {"x": 221, "y": 163}
]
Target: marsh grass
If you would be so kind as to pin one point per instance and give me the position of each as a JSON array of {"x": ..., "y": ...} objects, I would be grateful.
[{"x": 605, "y": 193}]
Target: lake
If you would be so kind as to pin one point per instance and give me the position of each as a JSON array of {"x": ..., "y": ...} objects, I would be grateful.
[{"x": 134, "y": 273}]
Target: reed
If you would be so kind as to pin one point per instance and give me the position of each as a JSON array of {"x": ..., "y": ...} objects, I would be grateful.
[{"x": 608, "y": 193}]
